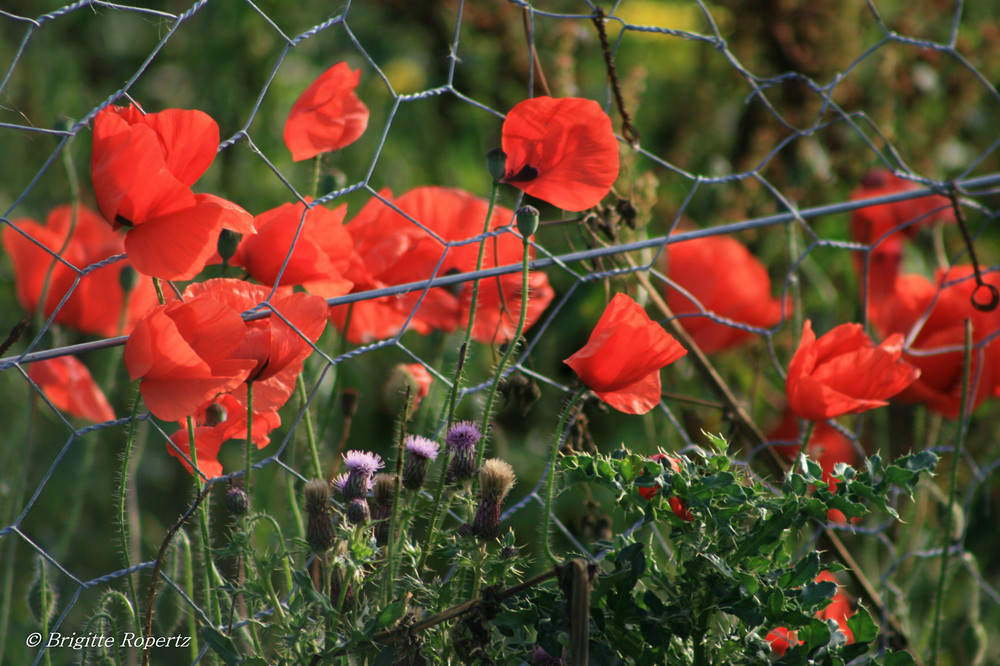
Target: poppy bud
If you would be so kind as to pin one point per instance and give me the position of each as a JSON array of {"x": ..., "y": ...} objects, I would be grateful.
[
  {"x": 237, "y": 501},
  {"x": 496, "y": 164},
  {"x": 358, "y": 511},
  {"x": 496, "y": 478},
  {"x": 527, "y": 220},
  {"x": 228, "y": 242}
]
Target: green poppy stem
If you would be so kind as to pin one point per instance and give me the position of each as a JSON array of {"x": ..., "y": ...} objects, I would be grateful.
[
  {"x": 512, "y": 343},
  {"x": 963, "y": 426}
]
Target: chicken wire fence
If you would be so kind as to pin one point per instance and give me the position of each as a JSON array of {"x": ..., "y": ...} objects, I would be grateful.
[{"x": 746, "y": 119}]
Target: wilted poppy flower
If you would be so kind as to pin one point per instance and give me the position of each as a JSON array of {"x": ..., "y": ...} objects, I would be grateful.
[
  {"x": 322, "y": 253},
  {"x": 723, "y": 279},
  {"x": 844, "y": 372},
  {"x": 68, "y": 385},
  {"x": 827, "y": 446},
  {"x": 186, "y": 352},
  {"x": 327, "y": 116},
  {"x": 562, "y": 151},
  {"x": 622, "y": 359},
  {"x": 932, "y": 316},
  {"x": 392, "y": 248},
  {"x": 217, "y": 421},
  {"x": 81, "y": 238},
  {"x": 886, "y": 226},
  {"x": 676, "y": 505},
  {"x": 143, "y": 167}
]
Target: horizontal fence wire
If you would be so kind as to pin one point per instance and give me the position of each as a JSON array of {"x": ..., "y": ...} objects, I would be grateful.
[{"x": 784, "y": 183}]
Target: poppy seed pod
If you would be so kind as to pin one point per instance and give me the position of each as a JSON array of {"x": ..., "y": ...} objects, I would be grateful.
[
  {"x": 527, "y": 220},
  {"x": 228, "y": 242},
  {"x": 496, "y": 164}
]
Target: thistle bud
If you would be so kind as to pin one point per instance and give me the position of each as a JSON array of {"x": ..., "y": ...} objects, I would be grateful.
[
  {"x": 419, "y": 450},
  {"x": 496, "y": 164},
  {"x": 358, "y": 512},
  {"x": 228, "y": 242},
  {"x": 381, "y": 506},
  {"x": 496, "y": 478},
  {"x": 527, "y": 221},
  {"x": 237, "y": 501},
  {"x": 319, "y": 528}
]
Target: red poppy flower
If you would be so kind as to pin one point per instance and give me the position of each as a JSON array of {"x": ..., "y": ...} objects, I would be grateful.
[
  {"x": 430, "y": 238},
  {"x": 724, "y": 279},
  {"x": 68, "y": 385},
  {"x": 327, "y": 116},
  {"x": 933, "y": 318},
  {"x": 885, "y": 226},
  {"x": 676, "y": 505},
  {"x": 143, "y": 167},
  {"x": 186, "y": 352},
  {"x": 562, "y": 151},
  {"x": 844, "y": 372},
  {"x": 322, "y": 253},
  {"x": 81, "y": 239},
  {"x": 217, "y": 421},
  {"x": 827, "y": 446},
  {"x": 622, "y": 359}
]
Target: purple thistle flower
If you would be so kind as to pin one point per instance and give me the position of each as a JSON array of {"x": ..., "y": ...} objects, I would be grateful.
[
  {"x": 463, "y": 437},
  {"x": 363, "y": 461},
  {"x": 420, "y": 451},
  {"x": 340, "y": 481},
  {"x": 422, "y": 447}
]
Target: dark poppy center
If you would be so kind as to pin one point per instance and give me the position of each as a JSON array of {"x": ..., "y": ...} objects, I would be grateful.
[
  {"x": 122, "y": 221},
  {"x": 527, "y": 174}
]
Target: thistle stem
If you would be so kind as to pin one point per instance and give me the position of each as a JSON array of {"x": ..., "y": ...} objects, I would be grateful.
[{"x": 550, "y": 486}]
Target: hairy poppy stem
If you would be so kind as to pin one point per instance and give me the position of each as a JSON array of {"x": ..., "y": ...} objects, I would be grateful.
[
  {"x": 511, "y": 344},
  {"x": 564, "y": 423},
  {"x": 479, "y": 266},
  {"x": 300, "y": 387},
  {"x": 392, "y": 545},
  {"x": 206, "y": 542},
  {"x": 249, "y": 447},
  {"x": 963, "y": 426},
  {"x": 123, "y": 530}
]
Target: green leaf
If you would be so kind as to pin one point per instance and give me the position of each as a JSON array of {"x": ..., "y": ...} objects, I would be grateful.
[
  {"x": 862, "y": 626},
  {"x": 222, "y": 645},
  {"x": 814, "y": 594},
  {"x": 899, "y": 659},
  {"x": 390, "y": 614}
]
